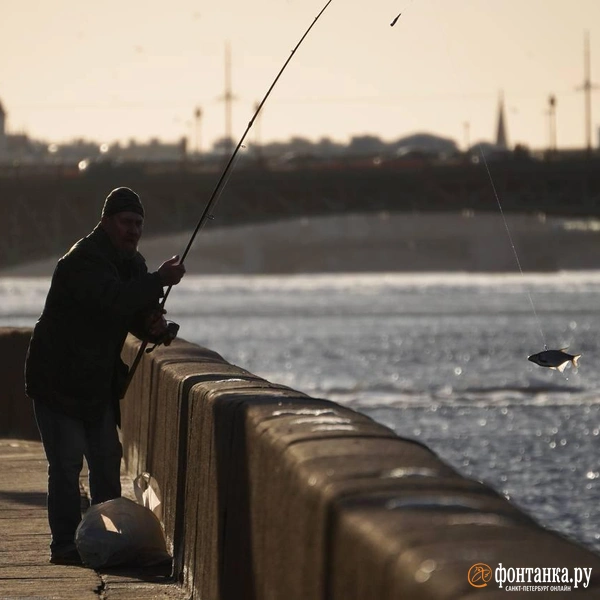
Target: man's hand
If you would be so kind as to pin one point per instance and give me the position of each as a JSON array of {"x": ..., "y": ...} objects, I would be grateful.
[
  {"x": 171, "y": 271},
  {"x": 159, "y": 329},
  {"x": 156, "y": 324}
]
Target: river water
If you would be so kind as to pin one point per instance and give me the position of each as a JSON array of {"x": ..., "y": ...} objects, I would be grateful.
[{"x": 441, "y": 358}]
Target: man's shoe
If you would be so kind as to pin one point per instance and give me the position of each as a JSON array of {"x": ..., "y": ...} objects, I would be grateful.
[{"x": 71, "y": 557}]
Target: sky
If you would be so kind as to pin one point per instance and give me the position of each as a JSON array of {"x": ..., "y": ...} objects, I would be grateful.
[{"x": 138, "y": 69}]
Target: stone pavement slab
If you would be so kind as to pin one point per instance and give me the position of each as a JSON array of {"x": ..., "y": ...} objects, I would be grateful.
[{"x": 25, "y": 571}]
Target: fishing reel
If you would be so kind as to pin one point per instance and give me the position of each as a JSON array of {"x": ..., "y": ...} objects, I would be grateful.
[{"x": 170, "y": 335}]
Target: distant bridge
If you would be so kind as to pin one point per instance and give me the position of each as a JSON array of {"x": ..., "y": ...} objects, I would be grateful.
[{"x": 44, "y": 211}]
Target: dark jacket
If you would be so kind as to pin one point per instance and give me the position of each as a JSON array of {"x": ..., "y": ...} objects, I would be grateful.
[{"x": 74, "y": 359}]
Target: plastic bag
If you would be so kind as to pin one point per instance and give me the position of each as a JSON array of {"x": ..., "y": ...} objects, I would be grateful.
[
  {"x": 147, "y": 493},
  {"x": 121, "y": 532}
]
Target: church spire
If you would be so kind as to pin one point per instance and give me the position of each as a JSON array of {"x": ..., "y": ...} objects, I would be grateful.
[
  {"x": 501, "y": 137},
  {"x": 2, "y": 131}
]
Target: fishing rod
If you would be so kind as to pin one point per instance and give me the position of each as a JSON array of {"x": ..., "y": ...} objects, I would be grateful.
[{"x": 206, "y": 213}]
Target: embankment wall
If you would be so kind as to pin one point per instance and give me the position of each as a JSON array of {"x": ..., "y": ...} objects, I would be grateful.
[
  {"x": 271, "y": 494},
  {"x": 383, "y": 242},
  {"x": 16, "y": 410}
]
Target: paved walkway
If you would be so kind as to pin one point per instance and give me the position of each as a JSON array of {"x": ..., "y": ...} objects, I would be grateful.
[{"x": 24, "y": 543}]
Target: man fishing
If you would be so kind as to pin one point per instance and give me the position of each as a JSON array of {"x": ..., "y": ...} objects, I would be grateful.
[{"x": 100, "y": 290}]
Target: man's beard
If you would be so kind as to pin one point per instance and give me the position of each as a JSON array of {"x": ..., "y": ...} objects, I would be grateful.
[{"x": 128, "y": 253}]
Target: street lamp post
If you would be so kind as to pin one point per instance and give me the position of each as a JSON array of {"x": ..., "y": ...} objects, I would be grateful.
[
  {"x": 198, "y": 116},
  {"x": 552, "y": 123}
]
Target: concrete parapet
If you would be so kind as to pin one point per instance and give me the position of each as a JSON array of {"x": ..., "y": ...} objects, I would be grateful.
[
  {"x": 270, "y": 494},
  {"x": 16, "y": 409}
]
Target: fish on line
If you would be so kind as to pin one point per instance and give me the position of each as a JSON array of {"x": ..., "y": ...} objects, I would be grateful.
[
  {"x": 555, "y": 359},
  {"x": 394, "y": 21}
]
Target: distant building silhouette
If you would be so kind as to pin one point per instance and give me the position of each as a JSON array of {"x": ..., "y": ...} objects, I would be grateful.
[
  {"x": 17, "y": 146},
  {"x": 501, "y": 137}
]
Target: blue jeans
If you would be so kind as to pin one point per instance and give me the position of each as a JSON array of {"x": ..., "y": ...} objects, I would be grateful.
[{"x": 66, "y": 441}]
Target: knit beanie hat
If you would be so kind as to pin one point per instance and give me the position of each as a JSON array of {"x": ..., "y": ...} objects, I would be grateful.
[{"x": 122, "y": 199}]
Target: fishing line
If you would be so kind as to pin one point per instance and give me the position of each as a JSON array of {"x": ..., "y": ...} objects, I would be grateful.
[
  {"x": 514, "y": 249},
  {"x": 206, "y": 213}
]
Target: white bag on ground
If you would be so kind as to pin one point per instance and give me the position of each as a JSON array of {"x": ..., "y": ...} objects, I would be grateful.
[
  {"x": 120, "y": 532},
  {"x": 147, "y": 493}
]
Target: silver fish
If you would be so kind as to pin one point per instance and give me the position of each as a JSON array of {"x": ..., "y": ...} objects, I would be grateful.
[{"x": 554, "y": 359}]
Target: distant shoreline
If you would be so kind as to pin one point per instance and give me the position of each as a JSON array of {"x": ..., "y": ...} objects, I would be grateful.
[{"x": 383, "y": 242}]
